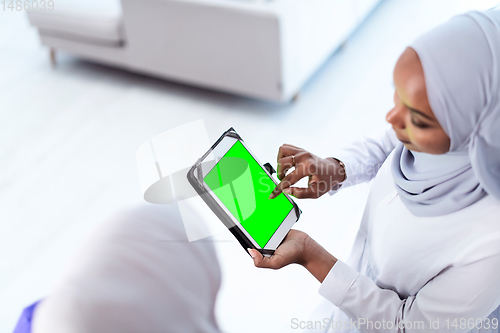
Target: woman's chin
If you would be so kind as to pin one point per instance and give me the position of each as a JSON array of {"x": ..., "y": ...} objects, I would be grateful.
[{"x": 411, "y": 147}]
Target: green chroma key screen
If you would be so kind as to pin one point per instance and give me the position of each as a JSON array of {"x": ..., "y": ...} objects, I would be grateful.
[{"x": 243, "y": 187}]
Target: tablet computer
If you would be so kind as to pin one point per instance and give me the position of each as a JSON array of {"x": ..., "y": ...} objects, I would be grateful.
[{"x": 236, "y": 187}]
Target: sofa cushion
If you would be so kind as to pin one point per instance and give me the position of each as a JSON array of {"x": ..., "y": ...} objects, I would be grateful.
[{"x": 91, "y": 22}]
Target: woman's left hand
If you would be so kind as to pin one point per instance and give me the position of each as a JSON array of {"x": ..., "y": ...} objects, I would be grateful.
[
  {"x": 291, "y": 251},
  {"x": 297, "y": 248}
]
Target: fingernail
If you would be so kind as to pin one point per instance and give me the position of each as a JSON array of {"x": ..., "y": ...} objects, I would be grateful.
[
  {"x": 251, "y": 252},
  {"x": 271, "y": 196},
  {"x": 287, "y": 191}
]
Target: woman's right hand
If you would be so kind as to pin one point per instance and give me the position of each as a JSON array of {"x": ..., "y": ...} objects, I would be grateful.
[{"x": 323, "y": 173}]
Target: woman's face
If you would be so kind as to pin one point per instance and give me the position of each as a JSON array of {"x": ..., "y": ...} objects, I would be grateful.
[{"x": 412, "y": 118}]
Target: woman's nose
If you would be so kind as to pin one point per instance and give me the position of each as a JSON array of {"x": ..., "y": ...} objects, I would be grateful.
[{"x": 396, "y": 117}]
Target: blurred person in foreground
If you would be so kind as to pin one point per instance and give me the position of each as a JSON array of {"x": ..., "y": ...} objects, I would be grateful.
[{"x": 136, "y": 273}]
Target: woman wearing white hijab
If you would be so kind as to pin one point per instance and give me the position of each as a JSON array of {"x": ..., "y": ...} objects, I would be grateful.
[
  {"x": 138, "y": 273},
  {"x": 427, "y": 255}
]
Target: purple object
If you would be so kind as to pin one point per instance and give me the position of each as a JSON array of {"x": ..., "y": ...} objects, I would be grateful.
[{"x": 24, "y": 323}]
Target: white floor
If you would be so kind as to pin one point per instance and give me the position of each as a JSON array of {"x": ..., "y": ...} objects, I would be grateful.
[{"x": 67, "y": 154}]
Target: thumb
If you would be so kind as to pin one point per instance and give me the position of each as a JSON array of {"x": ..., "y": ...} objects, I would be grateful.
[
  {"x": 256, "y": 256},
  {"x": 300, "y": 192}
]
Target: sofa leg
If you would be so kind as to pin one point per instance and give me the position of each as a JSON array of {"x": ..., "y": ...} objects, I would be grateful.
[
  {"x": 296, "y": 97},
  {"x": 53, "y": 59}
]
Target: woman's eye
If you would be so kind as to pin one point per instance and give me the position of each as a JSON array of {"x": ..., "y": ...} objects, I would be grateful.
[{"x": 418, "y": 124}]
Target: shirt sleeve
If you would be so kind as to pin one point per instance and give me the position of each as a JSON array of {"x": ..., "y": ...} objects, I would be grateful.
[
  {"x": 364, "y": 157},
  {"x": 456, "y": 300}
]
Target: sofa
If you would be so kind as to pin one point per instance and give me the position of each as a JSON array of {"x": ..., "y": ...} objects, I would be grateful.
[{"x": 265, "y": 49}]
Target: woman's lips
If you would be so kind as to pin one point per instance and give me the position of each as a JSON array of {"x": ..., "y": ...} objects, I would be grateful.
[{"x": 403, "y": 141}]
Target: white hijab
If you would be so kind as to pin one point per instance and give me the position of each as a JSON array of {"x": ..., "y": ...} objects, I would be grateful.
[
  {"x": 137, "y": 274},
  {"x": 461, "y": 63}
]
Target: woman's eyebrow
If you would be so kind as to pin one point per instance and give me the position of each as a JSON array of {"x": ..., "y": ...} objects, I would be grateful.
[{"x": 419, "y": 112}]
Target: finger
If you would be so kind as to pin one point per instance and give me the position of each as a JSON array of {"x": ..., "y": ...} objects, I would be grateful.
[
  {"x": 302, "y": 192},
  {"x": 290, "y": 179},
  {"x": 284, "y": 164},
  {"x": 287, "y": 150},
  {"x": 314, "y": 190},
  {"x": 256, "y": 256},
  {"x": 260, "y": 261}
]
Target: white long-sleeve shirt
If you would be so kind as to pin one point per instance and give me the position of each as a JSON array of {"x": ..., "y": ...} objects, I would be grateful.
[{"x": 408, "y": 273}]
